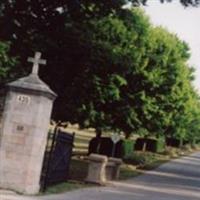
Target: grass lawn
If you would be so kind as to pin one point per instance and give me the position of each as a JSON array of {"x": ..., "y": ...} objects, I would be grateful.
[
  {"x": 64, "y": 187},
  {"x": 128, "y": 171},
  {"x": 78, "y": 169}
]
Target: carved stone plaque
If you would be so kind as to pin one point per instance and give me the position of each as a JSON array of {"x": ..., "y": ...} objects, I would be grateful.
[{"x": 23, "y": 99}]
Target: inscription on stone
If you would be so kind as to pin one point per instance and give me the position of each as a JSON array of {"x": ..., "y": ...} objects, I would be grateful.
[
  {"x": 23, "y": 99},
  {"x": 20, "y": 128}
]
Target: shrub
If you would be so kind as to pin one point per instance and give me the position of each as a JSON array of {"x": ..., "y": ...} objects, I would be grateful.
[
  {"x": 152, "y": 145},
  {"x": 128, "y": 148}
]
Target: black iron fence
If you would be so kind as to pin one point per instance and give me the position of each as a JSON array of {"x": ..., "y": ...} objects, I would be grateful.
[{"x": 57, "y": 158}]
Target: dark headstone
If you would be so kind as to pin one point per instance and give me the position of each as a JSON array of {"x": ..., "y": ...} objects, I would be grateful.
[{"x": 104, "y": 146}]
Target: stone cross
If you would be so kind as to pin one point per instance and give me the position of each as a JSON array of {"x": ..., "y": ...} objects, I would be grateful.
[{"x": 36, "y": 61}]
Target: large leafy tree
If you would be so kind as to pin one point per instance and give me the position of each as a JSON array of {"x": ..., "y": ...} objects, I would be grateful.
[
  {"x": 193, "y": 122},
  {"x": 135, "y": 76},
  {"x": 44, "y": 25},
  {"x": 165, "y": 75},
  {"x": 103, "y": 100},
  {"x": 110, "y": 68}
]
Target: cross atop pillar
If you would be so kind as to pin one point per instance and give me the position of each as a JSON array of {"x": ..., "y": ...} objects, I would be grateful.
[{"x": 36, "y": 62}]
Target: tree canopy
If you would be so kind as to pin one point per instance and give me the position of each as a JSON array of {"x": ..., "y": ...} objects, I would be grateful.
[{"x": 112, "y": 70}]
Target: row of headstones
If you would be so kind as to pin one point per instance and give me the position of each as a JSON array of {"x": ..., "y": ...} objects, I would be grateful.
[{"x": 125, "y": 148}]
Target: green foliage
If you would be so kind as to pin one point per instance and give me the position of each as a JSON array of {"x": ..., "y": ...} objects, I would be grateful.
[
  {"x": 110, "y": 68},
  {"x": 128, "y": 146},
  {"x": 65, "y": 187},
  {"x": 107, "y": 81},
  {"x": 160, "y": 145},
  {"x": 166, "y": 76},
  {"x": 6, "y": 63},
  {"x": 144, "y": 159}
]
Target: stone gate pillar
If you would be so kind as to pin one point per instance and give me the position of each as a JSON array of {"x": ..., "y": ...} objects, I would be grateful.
[{"x": 24, "y": 132}]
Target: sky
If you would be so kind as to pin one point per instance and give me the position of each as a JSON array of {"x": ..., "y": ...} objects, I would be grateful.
[{"x": 185, "y": 22}]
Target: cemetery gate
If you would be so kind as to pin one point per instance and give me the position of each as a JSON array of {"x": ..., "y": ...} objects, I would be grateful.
[{"x": 57, "y": 158}]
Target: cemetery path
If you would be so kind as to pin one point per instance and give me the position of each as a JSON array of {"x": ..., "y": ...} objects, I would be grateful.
[{"x": 175, "y": 180}]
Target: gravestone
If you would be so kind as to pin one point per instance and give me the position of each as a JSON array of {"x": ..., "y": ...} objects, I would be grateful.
[{"x": 23, "y": 135}]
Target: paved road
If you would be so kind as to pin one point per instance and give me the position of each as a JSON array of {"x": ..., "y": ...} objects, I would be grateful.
[{"x": 176, "y": 180}]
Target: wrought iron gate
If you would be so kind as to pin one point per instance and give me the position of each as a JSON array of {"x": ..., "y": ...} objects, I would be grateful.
[{"x": 57, "y": 158}]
